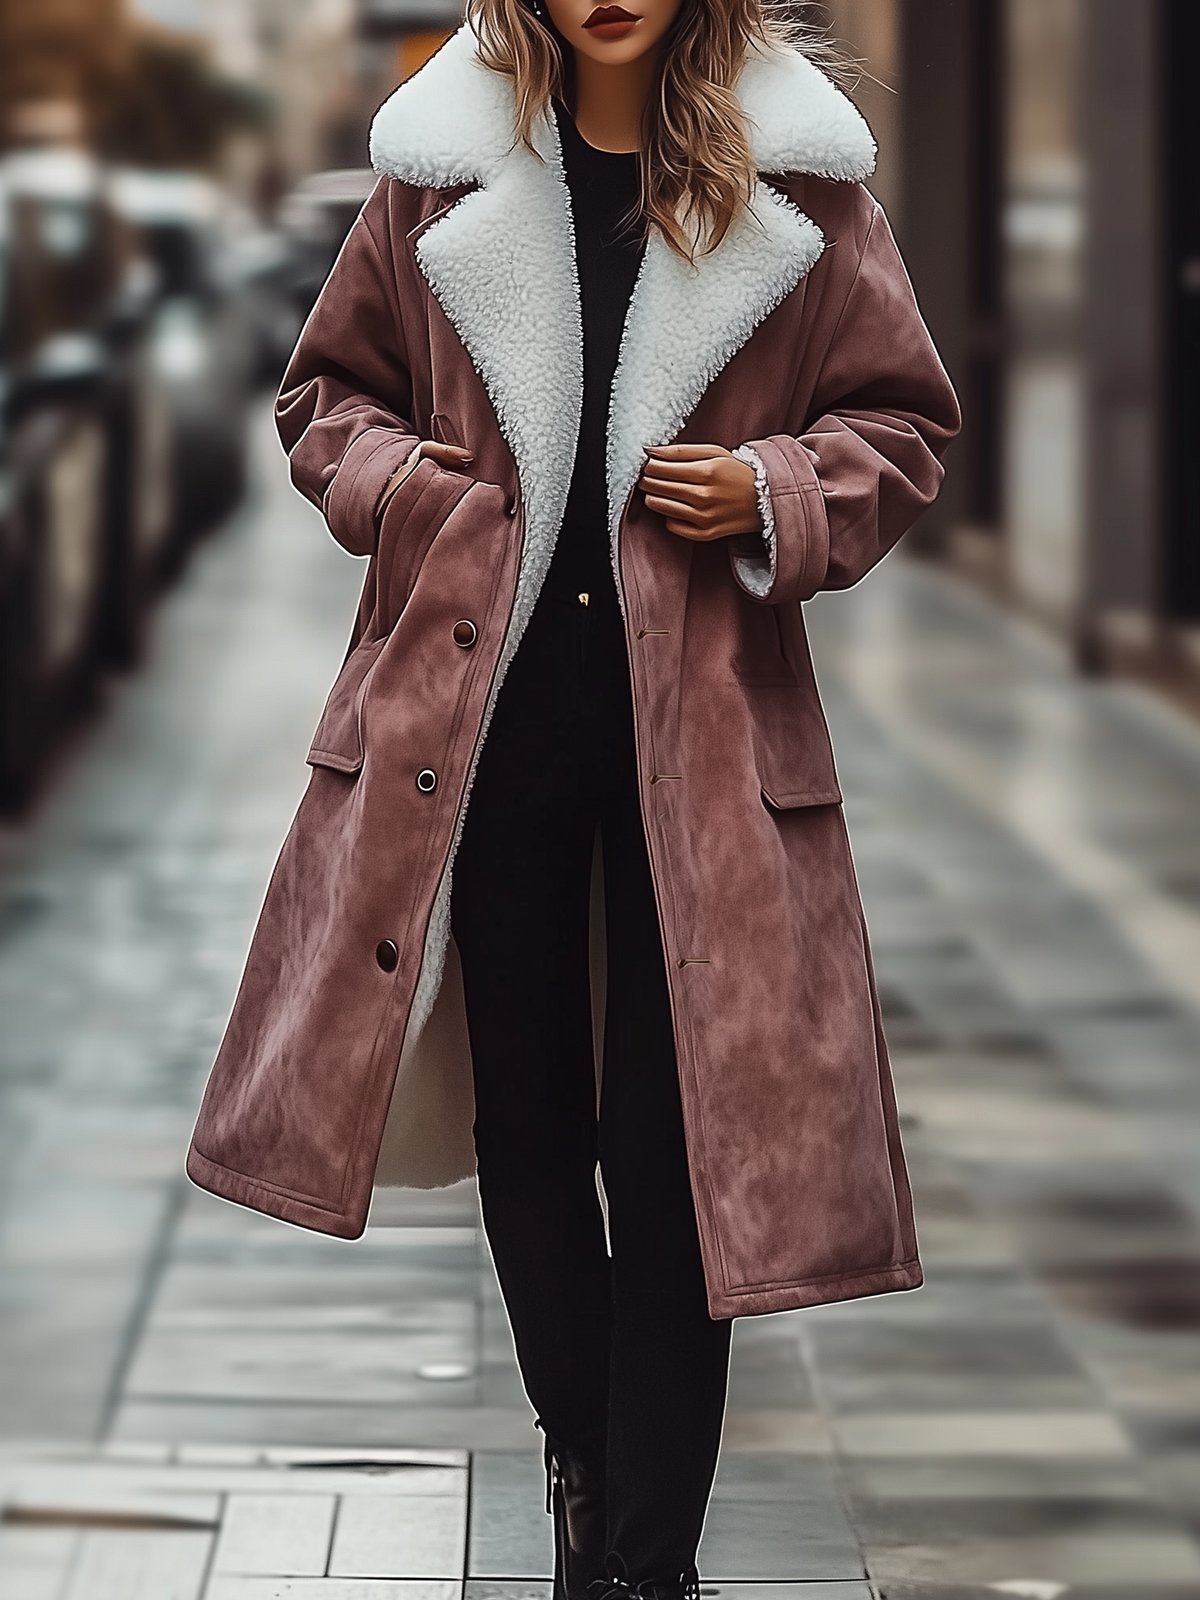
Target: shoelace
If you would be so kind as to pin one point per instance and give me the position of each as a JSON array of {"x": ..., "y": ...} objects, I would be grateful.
[{"x": 685, "y": 1587}]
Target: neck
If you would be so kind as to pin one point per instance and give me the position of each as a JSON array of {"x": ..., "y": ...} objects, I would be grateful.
[{"x": 610, "y": 102}]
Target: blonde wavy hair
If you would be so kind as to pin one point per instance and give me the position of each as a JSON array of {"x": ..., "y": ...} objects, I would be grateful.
[{"x": 696, "y": 166}]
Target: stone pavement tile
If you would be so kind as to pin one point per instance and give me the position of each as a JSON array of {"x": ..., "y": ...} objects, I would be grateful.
[
  {"x": 234, "y": 1588},
  {"x": 776, "y": 1429},
  {"x": 995, "y": 1124},
  {"x": 970, "y": 1294},
  {"x": 1156, "y": 1373},
  {"x": 993, "y": 1479},
  {"x": 1020, "y": 1366},
  {"x": 422, "y": 1465},
  {"x": 510, "y": 1532},
  {"x": 775, "y": 1475},
  {"x": 722, "y": 1589},
  {"x": 455, "y": 1205},
  {"x": 104, "y": 1478},
  {"x": 1067, "y": 1434},
  {"x": 87, "y": 1225},
  {"x": 402, "y": 1536},
  {"x": 1135, "y": 1291},
  {"x": 953, "y": 1230},
  {"x": 500, "y": 1384},
  {"x": 112, "y": 1565},
  {"x": 766, "y": 1365},
  {"x": 205, "y": 1227},
  {"x": 34, "y": 1562},
  {"x": 281, "y": 1294},
  {"x": 336, "y": 1365},
  {"x": 365, "y": 1426},
  {"x": 275, "y": 1535},
  {"x": 1089, "y": 1209},
  {"x": 936, "y": 1588},
  {"x": 1169, "y": 1446},
  {"x": 1069, "y": 1542},
  {"x": 778, "y": 1540},
  {"x": 61, "y": 1337},
  {"x": 1105, "y": 1048},
  {"x": 515, "y": 1589}
]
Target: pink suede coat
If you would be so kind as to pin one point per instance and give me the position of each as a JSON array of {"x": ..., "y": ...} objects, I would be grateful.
[{"x": 452, "y": 313}]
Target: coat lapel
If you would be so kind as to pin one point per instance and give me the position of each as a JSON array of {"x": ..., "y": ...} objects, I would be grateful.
[
  {"x": 501, "y": 264},
  {"x": 685, "y": 322}
]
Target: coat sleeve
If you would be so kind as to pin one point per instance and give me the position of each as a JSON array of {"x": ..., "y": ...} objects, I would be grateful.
[
  {"x": 344, "y": 400},
  {"x": 836, "y": 498}
]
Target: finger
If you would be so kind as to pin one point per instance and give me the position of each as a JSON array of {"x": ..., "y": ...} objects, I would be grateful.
[
  {"x": 698, "y": 471},
  {"x": 666, "y": 507},
  {"x": 446, "y": 455},
  {"x": 687, "y": 452},
  {"x": 689, "y": 530},
  {"x": 691, "y": 494}
]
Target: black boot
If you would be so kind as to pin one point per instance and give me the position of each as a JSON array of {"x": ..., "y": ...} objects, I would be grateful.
[
  {"x": 575, "y": 1499},
  {"x": 684, "y": 1586}
]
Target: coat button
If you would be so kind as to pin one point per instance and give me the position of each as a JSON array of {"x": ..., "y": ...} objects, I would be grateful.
[
  {"x": 465, "y": 633},
  {"x": 427, "y": 780},
  {"x": 387, "y": 954}
]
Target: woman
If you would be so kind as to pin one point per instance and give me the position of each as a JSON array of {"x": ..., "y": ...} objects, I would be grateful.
[{"x": 618, "y": 364}]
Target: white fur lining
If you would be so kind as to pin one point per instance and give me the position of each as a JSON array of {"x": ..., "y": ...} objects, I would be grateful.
[
  {"x": 757, "y": 572},
  {"x": 685, "y": 322},
  {"x": 527, "y": 346}
]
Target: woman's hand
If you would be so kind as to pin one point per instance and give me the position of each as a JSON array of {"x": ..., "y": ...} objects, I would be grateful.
[
  {"x": 445, "y": 455},
  {"x": 703, "y": 490}
]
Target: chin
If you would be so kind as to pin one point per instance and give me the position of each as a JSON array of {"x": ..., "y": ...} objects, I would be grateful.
[{"x": 615, "y": 53}]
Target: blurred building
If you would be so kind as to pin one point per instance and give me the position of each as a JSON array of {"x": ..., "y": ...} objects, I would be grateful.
[{"x": 1037, "y": 161}]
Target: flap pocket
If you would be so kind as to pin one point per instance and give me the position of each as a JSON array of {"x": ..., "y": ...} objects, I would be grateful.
[
  {"x": 338, "y": 740},
  {"x": 793, "y": 754},
  {"x": 828, "y": 794}
]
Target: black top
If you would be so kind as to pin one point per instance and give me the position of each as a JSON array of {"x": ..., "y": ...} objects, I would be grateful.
[{"x": 604, "y": 187}]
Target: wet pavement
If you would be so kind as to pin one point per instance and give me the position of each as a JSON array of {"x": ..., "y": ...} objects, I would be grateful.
[{"x": 195, "y": 1401}]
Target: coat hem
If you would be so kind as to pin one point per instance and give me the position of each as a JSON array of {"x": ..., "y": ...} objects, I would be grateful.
[
  {"x": 282, "y": 1204},
  {"x": 755, "y": 1301}
]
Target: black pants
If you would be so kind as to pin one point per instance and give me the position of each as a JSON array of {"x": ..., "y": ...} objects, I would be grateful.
[{"x": 623, "y": 1345}]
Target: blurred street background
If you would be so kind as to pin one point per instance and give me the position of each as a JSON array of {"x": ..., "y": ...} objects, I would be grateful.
[{"x": 197, "y": 1403}]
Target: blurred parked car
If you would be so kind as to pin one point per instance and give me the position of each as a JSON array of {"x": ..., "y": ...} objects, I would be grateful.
[
  {"x": 212, "y": 332},
  {"x": 66, "y": 422},
  {"x": 317, "y": 215},
  {"x": 137, "y": 315}
]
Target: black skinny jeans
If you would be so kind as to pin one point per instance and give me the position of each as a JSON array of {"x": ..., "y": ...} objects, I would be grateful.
[{"x": 622, "y": 1347}]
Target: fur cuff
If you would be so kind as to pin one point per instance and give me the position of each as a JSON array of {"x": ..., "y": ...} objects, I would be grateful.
[{"x": 757, "y": 572}]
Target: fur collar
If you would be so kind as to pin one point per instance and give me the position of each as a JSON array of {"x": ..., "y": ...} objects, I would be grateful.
[{"x": 451, "y": 122}]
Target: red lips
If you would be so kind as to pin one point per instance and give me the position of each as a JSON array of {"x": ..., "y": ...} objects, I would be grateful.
[{"x": 609, "y": 14}]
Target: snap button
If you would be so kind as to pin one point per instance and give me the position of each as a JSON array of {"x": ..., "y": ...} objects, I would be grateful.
[
  {"x": 465, "y": 633},
  {"x": 427, "y": 780},
  {"x": 387, "y": 954}
]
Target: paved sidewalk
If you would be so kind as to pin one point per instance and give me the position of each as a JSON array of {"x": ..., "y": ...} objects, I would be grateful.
[{"x": 1028, "y": 1423}]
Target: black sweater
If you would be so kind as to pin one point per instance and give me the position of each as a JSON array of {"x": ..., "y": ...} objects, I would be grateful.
[{"x": 604, "y": 186}]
